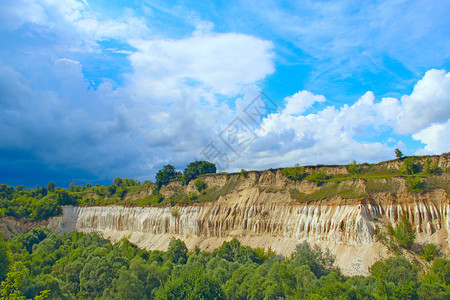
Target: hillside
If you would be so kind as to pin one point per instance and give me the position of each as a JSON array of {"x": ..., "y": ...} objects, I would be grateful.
[
  {"x": 345, "y": 208},
  {"x": 346, "y": 212}
]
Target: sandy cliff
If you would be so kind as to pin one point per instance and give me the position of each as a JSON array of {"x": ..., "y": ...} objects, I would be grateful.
[{"x": 260, "y": 211}]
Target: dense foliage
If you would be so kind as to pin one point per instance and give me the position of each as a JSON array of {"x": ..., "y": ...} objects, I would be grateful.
[
  {"x": 196, "y": 168},
  {"x": 165, "y": 175},
  {"x": 42, "y": 264}
]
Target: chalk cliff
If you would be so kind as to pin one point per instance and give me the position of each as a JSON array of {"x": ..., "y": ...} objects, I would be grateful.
[{"x": 260, "y": 211}]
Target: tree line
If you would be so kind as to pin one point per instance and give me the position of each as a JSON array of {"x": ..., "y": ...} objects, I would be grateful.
[
  {"x": 44, "y": 265},
  {"x": 44, "y": 202}
]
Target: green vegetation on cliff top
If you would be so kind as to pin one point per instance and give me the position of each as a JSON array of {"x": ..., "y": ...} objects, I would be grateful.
[{"x": 421, "y": 174}]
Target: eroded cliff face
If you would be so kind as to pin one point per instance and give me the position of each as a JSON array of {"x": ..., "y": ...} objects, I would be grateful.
[{"x": 259, "y": 210}]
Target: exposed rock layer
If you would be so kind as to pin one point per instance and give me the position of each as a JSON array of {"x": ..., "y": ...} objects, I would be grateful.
[{"x": 260, "y": 212}]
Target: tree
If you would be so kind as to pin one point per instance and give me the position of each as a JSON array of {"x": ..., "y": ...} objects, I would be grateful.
[
  {"x": 177, "y": 251},
  {"x": 10, "y": 288},
  {"x": 408, "y": 166},
  {"x": 320, "y": 262},
  {"x": 117, "y": 181},
  {"x": 404, "y": 233},
  {"x": 20, "y": 188},
  {"x": 51, "y": 187},
  {"x": 4, "y": 260},
  {"x": 196, "y": 168},
  {"x": 164, "y": 175},
  {"x": 398, "y": 153},
  {"x": 129, "y": 286}
]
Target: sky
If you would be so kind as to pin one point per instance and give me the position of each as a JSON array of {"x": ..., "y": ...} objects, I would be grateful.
[{"x": 92, "y": 90}]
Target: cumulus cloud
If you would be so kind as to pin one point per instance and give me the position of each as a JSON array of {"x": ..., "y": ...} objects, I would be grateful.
[
  {"x": 299, "y": 102},
  {"x": 436, "y": 138},
  {"x": 335, "y": 135},
  {"x": 427, "y": 104},
  {"x": 222, "y": 63},
  {"x": 173, "y": 101},
  {"x": 77, "y": 26}
]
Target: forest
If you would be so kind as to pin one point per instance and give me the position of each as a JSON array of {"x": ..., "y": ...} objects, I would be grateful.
[{"x": 44, "y": 265}]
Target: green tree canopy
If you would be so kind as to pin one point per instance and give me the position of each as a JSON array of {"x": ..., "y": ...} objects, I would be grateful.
[
  {"x": 51, "y": 187},
  {"x": 196, "y": 168},
  {"x": 320, "y": 262},
  {"x": 164, "y": 175},
  {"x": 177, "y": 251}
]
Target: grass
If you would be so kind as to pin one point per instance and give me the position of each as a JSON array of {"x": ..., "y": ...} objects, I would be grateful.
[
  {"x": 327, "y": 191},
  {"x": 214, "y": 193},
  {"x": 376, "y": 184},
  {"x": 437, "y": 182}
]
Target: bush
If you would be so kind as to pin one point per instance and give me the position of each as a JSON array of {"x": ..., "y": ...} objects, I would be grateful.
[
  {"x": 408, "y": 166},
  {"x": 200, "y": 184},
  {"x": 353, "y": 168},
  {"x": 294, "y": 173},
  {"x": 403, "y": 233},
  {"x": 244, "y": 173},
  {"x": 318, "y": 177},
  {"x": 430, "y": 167},
  {"x": 415, "y": 185},
  {"x": 429, "y": 252},
  {"x": 192, "y": 196}
]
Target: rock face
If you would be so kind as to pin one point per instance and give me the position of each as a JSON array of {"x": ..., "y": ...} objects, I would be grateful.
[{"x": 260, "y": 211}]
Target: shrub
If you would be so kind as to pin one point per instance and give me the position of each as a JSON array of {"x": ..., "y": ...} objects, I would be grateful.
[
  {"x": 353, "y": 168},
  {"x": 120, "y": 192},
  {"x": 429, "y": 167},
  {"x": 429, "y": 252},
  {"x": 415, "y": 185},
  {"x": 318, "y": 177},
  {"x": 244, "y": 173},
  {"x": 294, "y": 173},
  {"x": 408, "y": 166},
  {"x": 403, "y": 233},
  {"x": 200, "y": 184},
  {"x": 192, "y": 196}
]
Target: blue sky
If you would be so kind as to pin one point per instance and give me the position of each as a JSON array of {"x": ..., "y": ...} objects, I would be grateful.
[{"x": 91, "y": 90}]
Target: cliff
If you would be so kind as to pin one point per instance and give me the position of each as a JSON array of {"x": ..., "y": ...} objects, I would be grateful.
[{"x": 266, "y": 209}]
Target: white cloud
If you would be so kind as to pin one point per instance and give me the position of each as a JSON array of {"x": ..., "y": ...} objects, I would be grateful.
[
  {"x": 76, "y": 25},
  {"x": 299, "y": 102},
  {"x": 429, "y": 103},
  {"x": 436, "y": 137},
  {"x": 222, "y": 63},
  {"x": 333, "y": 135},
  {"x": 14, "y": 14}
]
